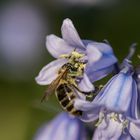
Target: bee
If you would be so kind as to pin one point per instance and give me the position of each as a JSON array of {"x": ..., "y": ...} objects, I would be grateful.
[{"x": 65, "y": 85}]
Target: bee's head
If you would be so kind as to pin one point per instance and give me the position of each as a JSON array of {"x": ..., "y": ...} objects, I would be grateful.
[
  {"x": 76, "y": 55},
  {"x": 73, "y": 57}
]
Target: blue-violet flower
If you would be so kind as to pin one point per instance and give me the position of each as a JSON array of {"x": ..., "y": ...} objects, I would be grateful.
[
  {"x": 115, "y": 107},
  {"x": 99, "y": 57},
  {"x": 63, "y": 127}
]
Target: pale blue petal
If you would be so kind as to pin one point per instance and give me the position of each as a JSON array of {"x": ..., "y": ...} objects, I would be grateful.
[
  {"x": 57, "y": 46},
  {"x": 84, "y": 105},
  {"x": 116, "y": 95},
  {"x": 93, "y": 54},
  {"x": 137, "y": 78},
  {"x": 134, "y": 129},
  {"x": 86, "y": 42},
  {"x": 133, "y": 110},
  {"x": 46, "y": 132},
  {"x": 98, "y": 74},
  {"x": 113, "y": 131},
  {"x": 90, "y": 111},
  {"x": 103, "y": 47},
  {"x": 50, "y": 72},
  {"x": 43, "y": 132},
  {"x": 79, "y": 94},
  {"x": 138, "y": 85},
  {"x": 90, "y": 116},
  {"x": 70, "y": 35},
  {"x": 85, "y": 84},
  {"x": 100, "y": 58},
  {"x": 100, "y": 61},
  {"x": 126, "y": 137},
  {"x": 63, "y": 127},
  {"x": 110, "y": 130},
  {"x": 98, "y": 135}
]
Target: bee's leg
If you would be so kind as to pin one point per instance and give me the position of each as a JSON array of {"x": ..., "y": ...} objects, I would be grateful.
[
  {"x": 75, "y": 73},
  {"x": 91, "y": 95}
]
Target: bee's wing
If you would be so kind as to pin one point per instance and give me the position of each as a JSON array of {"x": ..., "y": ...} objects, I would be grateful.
[{"x": 51, "y": 88}]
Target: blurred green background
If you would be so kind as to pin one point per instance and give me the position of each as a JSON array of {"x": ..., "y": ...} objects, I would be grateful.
[{"x": 24, "y": 25}]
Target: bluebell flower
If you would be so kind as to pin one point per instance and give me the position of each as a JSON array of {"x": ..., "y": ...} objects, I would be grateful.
[
  {"x": 99, "y": 57},
  {"x": 63, "y": 127},
  {"x": 115, "y": 107},
  {"x": 116, "y": 127}
]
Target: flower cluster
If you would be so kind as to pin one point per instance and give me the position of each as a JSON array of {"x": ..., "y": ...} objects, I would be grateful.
[{"x": 115, "y": 109}]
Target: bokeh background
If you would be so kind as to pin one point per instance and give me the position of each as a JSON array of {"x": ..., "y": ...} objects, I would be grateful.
[{"x": 24, "y": 25}]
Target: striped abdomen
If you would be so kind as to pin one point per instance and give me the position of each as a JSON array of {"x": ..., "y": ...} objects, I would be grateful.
[{"x": 66, "y": 98}]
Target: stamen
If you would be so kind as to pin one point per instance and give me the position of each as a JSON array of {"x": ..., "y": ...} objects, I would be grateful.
[
  {"x": 125, "y": 125},
  {"x": 114, "y": 116},
  {"x": 101, "y": 117},
  {"x": 64, "y": 56}
]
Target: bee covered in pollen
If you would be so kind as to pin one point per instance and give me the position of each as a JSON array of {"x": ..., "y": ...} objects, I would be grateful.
[{"x": 65, "y": 85}]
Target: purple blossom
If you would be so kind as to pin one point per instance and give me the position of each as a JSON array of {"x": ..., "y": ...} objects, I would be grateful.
[
  {"x": 99, "y": 56},
  {"x": 116, "y": 108},
  {"x": 63, "y": 127}
]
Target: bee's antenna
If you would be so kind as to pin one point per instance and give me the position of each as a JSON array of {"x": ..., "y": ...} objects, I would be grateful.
[{"x": 44, "y": 97}]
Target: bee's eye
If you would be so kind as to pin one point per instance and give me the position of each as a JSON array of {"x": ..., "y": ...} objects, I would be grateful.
[{"x": 73, "y": 69}]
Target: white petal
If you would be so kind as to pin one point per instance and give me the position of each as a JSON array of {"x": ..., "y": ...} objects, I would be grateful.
[
  {"x": 57, "y": 46},
  {"x": 85, "y": 84},
  {"x": 50, "y": 72},
  {"x": 70, "y": 34}
]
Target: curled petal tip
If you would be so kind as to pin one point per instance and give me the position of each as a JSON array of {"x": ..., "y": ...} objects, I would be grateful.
[
  {"x": 70, "y": 34},
  {"x": 67, "y": 21}
]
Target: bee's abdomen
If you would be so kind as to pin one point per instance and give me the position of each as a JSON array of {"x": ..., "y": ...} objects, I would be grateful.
[{"x": 66, "y": 98}]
